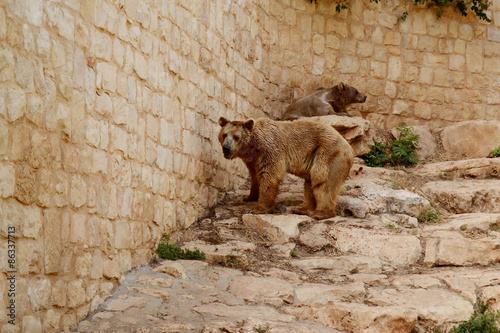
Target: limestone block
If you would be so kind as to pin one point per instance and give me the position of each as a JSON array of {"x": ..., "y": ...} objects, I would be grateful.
[
  {"x": 32, "y": 324},
  {"x": 278, "y": 229},
  {"x": 122, "y": 235},
  {"x": 97, "y": 269},
  {"x": 164, "y": 295},
  {"x": 7, "y": 178},
  {"x": 348, "y": 65},
  {"x": 154, "y": 281},
  {"x": 140, "y": 66},
  {"x": 341, "y": 265},
  {"x": 172, "y": 268},
  {"x": 100, "y": 45},
  {"x": 15, "y": 103},
  {"x": 398, "y": 249},
  {"x": 316, "y": 237},
  {"x": 51, "y": 321},
  {"x": 491, "y": 296},
  {"x": 124, "y": 302},
  {"x": 83, "y": 264},
  {"x": 268, "y": 290},
  {"x": 311, "y": 293},
  {"x": 439, "y": 306},
  {"x": 52, "y": 241},
  {"x": 108, "y": 74},
  {"x": 78, "y": 228},
  {"x": 451, "y": 248},
  {"x": 111, "y": 269},
  {"x": 358, "y": 318},
  {"x": 39, "y": 292},
  {"x": 474, "y": 138},
  {"x": 60, "y": 293},
  {"x": 244, "y": 311},
  {"x": 78, "y": 191}
]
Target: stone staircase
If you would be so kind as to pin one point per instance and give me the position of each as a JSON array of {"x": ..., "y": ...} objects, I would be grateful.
[{"x": 373, "y": 268}]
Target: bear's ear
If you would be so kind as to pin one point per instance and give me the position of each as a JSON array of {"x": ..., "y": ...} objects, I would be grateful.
[
  {"x": 223, "y": 121},
  {"x": 341, "y": 86},
  {"x": 248, "y": 124}
]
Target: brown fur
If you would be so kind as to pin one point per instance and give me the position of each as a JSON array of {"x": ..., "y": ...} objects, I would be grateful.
[
  {"x": 310, "y": 150},
  {"x": 324, "y": 101}
]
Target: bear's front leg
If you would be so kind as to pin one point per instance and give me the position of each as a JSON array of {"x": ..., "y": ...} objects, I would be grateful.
[
  {"x": 254, "y": 184},
  {"x": 268, "y": 191}
]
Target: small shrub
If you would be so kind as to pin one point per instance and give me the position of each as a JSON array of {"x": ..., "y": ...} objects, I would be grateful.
[
  {"x": 231, "y": 261},
  {"x": 293, "y": 254},
  {"x": 429, "y": 216},
  {"x": 495, "y": 226},
  {"x": 402, "y": 151},
  {"x": 494, "y": 153},
  {"x": 168, "y": 251},
  {"x": 482, "y": 320}
]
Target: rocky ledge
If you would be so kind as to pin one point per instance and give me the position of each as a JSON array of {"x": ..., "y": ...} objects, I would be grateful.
[{"x": 377, "y": 267}]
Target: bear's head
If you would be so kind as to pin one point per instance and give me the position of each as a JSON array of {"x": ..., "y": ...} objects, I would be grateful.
[
  {"x": 234, "y": 136},
  {"x": 349, "y": 94}
]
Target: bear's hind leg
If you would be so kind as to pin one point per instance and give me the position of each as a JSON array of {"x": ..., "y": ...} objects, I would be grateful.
[{"x": 320, "y": 183}]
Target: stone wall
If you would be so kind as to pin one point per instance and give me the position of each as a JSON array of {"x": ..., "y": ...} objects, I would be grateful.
[{"x": 109, "y": 109}]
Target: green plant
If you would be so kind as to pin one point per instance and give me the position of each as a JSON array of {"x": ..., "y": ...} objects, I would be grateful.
[
  {"x": 261, "y": 329},
  {"x": 231, "y": 261},
  {"x": 348, "y": 188},
  {"x": 495, "y": 226},
  {"x": 482, "y": 320},
  {"x": 168, "y": 251},
  {"x": 479, "y": 7},
  {"x": 429, "y": 216},
  {"x": 402, "y": 151},
  {"x": 495, "y": 152},
  {"x": 293, "y": 254}
]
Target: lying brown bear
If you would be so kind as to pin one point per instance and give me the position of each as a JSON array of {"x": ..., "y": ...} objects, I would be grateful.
[
  {"x": 324, "y": 101},
  {"x": 310, "y": 150}
]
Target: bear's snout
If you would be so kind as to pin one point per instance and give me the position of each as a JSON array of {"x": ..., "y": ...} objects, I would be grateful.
[
  {"x": 226, "y": 150},
  {"x": 361, "y": 98}
]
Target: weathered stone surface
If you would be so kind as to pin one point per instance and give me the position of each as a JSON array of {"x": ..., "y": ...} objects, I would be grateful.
[
  {"x": 266, "y": 290},
  {"x": 164, "y": 295},
  {"x": 342, "y": 265},
  {"x": 439, "y": 306},
  {"x": 359, "y": 318},
  {"x": 124, "y": 302},
  {"x": 153, "y": 281},
  {"x": 252, "y": 325},
  {"x": 277, "y": 228},
  {"x": 316, "y": 237},
  {"x": 475, "y": 138},
  {"x": 311, "y": 293},
  {"x": 244, "y": 311},
  {"x": 466, "y": 196},
  {"x": 450, "y": 248},
  {"x": 172, "y": 268},
  {"x": 476, "y": 168},
  {"x": 39, "y": 292},
  {"x": 373, "y": 198},
  {"x": 397, "y": 249},
  {"x": 216, "y": 253}
]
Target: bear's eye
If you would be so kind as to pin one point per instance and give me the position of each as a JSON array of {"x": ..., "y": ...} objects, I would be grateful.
[
  {"x": 224, "y": 136},
  {"x": 236, "y": 138}
]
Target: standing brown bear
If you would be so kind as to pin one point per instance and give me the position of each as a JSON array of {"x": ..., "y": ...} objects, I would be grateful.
[
  {"x": 324, "y": 101},
  {"x": 310, "y": 150}
]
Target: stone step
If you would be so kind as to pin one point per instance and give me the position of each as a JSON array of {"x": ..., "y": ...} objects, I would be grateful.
[{"x": 465, "y": 196}]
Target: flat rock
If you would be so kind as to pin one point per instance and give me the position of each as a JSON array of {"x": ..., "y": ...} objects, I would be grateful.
[
  {"x": 445, "y": 248},
  {"x": 268, "y": 290},
  {"x": 481, "y": 221},
  {"x": 124, "y": 302},
  {"x": 172, "y": 268},
  {"x": 395, "y": 248},
  {"x": 155, "y": 281},
  {"x": 155, "y": 292},
  {"x": 491, "y": 296},
  {"x": 438, "y": 306},
  {"x": 371, "y": 198},
  {"x": 359, "y": 318},
  {"x": 417, "y": 281},
  {"x": 252, "y": 325},
  {"x": 466, "y": 196},
  {"x": 215, "y": 253},
  {"x": 279, "y": 229},
  {"x": 341, "y": 265},
  {"x": 316, "y": 237},
  {"x": 311, "y": 293},
  {"x": 477, "y": 168},
  {"x": 244, "y": 311},
  {"x": 475, "y": 138}
]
